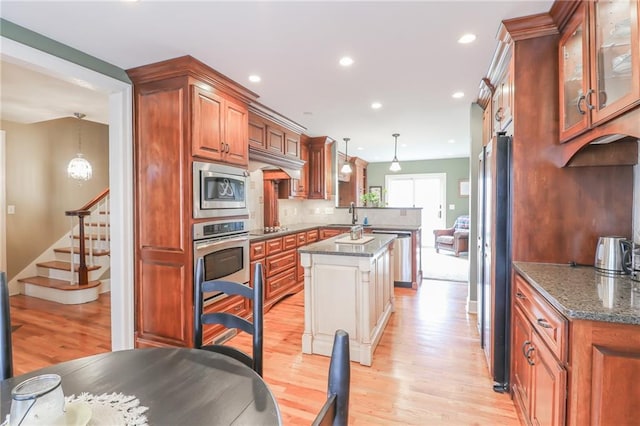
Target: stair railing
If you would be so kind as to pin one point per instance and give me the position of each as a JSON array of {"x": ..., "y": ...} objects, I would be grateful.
[{"x": 98, "y": 206}]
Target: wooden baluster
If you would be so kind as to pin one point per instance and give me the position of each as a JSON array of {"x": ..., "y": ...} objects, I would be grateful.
[
  {"x": 72, "y": 281},
  {"x": 83, "y": 275}
]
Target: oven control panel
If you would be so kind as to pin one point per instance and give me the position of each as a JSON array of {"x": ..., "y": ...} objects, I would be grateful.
[{"x": 218, "y": 229}]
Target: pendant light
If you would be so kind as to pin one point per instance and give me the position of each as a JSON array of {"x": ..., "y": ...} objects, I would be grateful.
[
  {"x": 395, "y": 164},
  {"x": 79, "y": 168},
  {"x": 346, "y": 167}
]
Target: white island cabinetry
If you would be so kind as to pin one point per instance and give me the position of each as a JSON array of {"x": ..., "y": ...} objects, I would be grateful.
[{"x": 349, "y": 287}]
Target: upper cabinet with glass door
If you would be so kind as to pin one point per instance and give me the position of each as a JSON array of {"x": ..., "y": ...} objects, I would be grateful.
[{"x": 599, "y": 55}]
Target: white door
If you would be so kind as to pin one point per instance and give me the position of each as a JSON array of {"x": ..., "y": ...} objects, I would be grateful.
[{"x": 426, "y": 190}]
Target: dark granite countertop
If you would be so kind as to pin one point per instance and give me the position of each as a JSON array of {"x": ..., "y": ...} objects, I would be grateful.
[
  {"x": 259, "y": 234},
  {"x": 330, "y": 246},
  {"x": 580, "y": 292}
]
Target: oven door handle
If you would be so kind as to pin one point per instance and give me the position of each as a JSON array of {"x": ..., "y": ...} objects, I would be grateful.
[{"x": 202, "y": 246}]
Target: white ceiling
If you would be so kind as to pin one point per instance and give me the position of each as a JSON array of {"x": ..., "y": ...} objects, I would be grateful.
[{"x": 406, "y": 57}]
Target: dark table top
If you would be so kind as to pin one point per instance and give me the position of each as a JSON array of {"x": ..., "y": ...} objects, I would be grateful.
[{"x": 179, "y": 386}]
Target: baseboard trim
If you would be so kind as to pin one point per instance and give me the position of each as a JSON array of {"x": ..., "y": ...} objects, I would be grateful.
[{"x": 472, "y": 307}]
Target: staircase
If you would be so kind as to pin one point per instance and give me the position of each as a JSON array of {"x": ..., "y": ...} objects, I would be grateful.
[{"x": 67, "y": 277}]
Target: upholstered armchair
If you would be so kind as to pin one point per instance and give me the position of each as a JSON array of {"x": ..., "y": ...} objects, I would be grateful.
[{"x": 455, "y": 238}]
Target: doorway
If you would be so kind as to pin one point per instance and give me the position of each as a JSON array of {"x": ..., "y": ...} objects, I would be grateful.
[
  {"x": 426, "y": 190},
  {"x": 120, "y": 173}
]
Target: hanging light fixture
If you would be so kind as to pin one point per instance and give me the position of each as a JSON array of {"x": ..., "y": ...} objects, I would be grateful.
[
  {"x": 79, "y": 168},
  {"x": 395, "y": 164},
  {"x": 346, "y": 167}
]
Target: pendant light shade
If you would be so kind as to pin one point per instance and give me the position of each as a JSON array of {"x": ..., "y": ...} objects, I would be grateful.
[
  {"x": 79, "y": 168},
  {"x": 395, "y": 164},
  {"x": 346, "y": 167}
]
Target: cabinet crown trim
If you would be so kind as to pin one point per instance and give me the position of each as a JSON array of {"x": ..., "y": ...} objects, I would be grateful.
[
  {"x": 267, "y": 113},
  {"x": 190, "y": 66}
]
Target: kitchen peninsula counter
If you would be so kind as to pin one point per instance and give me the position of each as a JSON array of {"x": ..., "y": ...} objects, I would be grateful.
[
  {"x": 575, "y": 345},
  {"x": 580, "y": 292},
  {"x": 349, "y": 287}
]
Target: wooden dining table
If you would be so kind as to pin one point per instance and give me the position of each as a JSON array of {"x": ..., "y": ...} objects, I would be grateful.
[{"x": 179, "y": 386}]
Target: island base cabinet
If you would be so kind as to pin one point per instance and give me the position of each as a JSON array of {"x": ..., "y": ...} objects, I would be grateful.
[{"x": 350, "y": 293}]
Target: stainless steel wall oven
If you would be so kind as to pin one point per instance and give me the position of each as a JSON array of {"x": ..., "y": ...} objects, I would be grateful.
[{"x": 224, "y": 249}]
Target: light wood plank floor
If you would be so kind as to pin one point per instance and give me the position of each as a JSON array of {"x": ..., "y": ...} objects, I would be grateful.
[{"x": 427, "y": 370}]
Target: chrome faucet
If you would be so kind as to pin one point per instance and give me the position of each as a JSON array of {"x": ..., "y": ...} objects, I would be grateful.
[{"x": 354, "y": 215}]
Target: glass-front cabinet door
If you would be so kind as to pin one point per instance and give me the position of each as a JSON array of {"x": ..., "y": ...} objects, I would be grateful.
[
  {"x": 574, "y": 77},
  {"x": 615, "y": 57}
]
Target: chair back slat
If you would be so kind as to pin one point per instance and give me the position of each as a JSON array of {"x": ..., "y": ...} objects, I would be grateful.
[
  {"x": 339, "y": 381},
  {"x": 229, "y": 320},
  {"x": 6, "y": 355},
  {"x": 327, "y": 412}
]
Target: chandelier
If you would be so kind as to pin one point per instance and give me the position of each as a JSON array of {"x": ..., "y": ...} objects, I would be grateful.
[
  {"x": 395, "y": 164},
  {"x": 79, "y": 168}
]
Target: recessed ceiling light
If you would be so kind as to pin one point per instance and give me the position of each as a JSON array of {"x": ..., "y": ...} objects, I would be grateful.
[
  {"x": 467, "y": 38},
  {"x": 307, "y": 113},
  {"x": 376, "y": 105},
  {"x": 254, "y": 78},
  {"x": 403, "y": 145},
  {"x": 360, "y": 148},
  {"x": 451, "y": 141},
  {"x": 346, "y": 61},
  {"x": 458, "y": 95}
]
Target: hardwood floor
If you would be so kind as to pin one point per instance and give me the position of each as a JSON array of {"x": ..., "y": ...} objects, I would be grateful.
[{"x": 427, "y": 369}]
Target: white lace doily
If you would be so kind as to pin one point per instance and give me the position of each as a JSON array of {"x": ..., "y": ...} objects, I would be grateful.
[{"x": 112, "y": 409}]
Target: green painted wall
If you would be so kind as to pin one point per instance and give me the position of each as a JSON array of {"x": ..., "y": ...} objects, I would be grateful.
[
  {"x": 455, "y": 169},
  {"x": 37, "y": 41}
]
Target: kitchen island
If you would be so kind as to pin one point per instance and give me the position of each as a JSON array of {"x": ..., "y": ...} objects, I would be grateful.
[{"x": 347, "y": 286}]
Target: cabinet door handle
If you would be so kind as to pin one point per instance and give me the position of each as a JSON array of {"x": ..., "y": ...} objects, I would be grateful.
[
  {"x": 543, "y": 323},
  {"x": 498, "y": 115},
  {"x": 528, "y": 355},
  {"x": 589, "y": 104},
  {"x": 520, "y": 296},
  {"x": 581, "y": 99},
  {"x": 524, "y": 346}
]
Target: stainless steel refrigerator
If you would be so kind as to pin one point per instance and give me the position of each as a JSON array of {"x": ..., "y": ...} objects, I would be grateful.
[{"x": 494, "y": 256}]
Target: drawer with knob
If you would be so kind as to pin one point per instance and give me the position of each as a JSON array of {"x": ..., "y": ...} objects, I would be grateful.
[
  {"x": 280, "y": 283},
  {"x": 546, "y": 320},
  {"x": 278, "y": 263}
]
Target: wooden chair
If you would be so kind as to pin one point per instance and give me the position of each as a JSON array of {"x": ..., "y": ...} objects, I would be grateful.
[
  {"x": 229, "y": 320},
  {"x": 335, "y": 410},
  {"x": 6, "y": 356}
]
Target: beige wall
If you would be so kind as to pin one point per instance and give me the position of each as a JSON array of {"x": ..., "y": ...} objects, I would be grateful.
[{"x": 37, "y": 184}]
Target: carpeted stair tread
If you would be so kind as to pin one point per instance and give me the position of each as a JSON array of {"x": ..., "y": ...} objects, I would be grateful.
[
  {"x": 63, "y": 266},
  {"x": 57, "y": 284}
]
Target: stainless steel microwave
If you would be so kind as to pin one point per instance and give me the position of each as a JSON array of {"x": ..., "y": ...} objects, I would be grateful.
[{"x": 219, "y": 190}]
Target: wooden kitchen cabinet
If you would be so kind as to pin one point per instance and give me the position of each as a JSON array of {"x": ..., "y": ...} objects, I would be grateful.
[
  {"x": 320, "y": 168},
  {"x": 219, "y": 127},
  {"x": 503, "y": 100},
  {"x": 293, "y": 188},
  {"x": 274, "y": 134},
  {"x": 280, "y": 266},
  {"x": 351, "y": 190},
  {"x": 538, "y": 357},
  {"x": 183, "y": 111},
  {"x": 328, "y": 232},
  {"x": 599, "y": 59}
]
